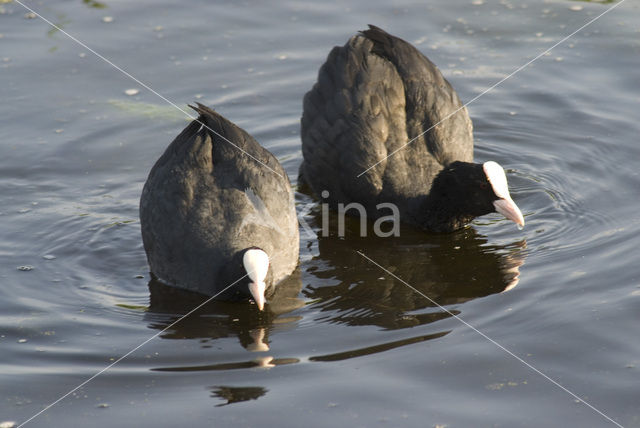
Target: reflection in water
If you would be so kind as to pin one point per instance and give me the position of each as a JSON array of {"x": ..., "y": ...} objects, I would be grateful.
[
  {"x": 237, "y": 394},
  {"x": 257, "y": 363},
  {"x": 448, "y": 268},
  {"x": 376, "y": 349},
  {"x": 259, "y": 344},
  {"x": 217, "y": 320}
]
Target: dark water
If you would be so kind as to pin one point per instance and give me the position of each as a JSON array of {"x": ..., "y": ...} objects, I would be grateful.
[{"x": 346, "y": 344}]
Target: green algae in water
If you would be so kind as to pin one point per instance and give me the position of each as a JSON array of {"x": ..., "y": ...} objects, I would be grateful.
[
  {"x": 150, "y": 111},
  {"x": 95, "y": 4},
  {"x": 138, "y": 308}
]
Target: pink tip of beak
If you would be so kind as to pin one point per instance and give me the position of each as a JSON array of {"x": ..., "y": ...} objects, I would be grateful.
[
  {"x": 257, "y": 292},
  {"x": 510, "y": 210}
]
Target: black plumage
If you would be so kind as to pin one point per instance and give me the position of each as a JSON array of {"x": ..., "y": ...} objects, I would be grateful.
[
  {"x": 373, "y": 96},
  {"x": 213, "y": 194}
]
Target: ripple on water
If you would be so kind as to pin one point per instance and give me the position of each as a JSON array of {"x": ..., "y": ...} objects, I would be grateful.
[{"x": 563, "y": 220}]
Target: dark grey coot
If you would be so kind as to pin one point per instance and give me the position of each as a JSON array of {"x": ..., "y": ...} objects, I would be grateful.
[
  {"x": 211, "y": 214},
  {"x": 373, "y": 95}
]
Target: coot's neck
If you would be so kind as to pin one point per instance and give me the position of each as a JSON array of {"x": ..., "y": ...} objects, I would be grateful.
[{"x": 437, "y": 212}]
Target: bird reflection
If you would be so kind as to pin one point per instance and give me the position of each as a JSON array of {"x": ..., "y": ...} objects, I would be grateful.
[
  {"x": 257, "y": 363},
  {"x": 217, "y": 320},
  {"x": 259, "y": 344},
  {"x": 237, "y": 394},
  {"x": 447, "y": 268}
]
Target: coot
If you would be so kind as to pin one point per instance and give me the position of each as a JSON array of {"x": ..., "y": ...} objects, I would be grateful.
[
  {"x": 216, "y": 209},
  {"x": 373, "y": 95}
]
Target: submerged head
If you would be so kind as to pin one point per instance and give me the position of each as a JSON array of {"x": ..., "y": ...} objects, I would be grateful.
[
  {"x": 463, "y": 191},
  {"x": 256, "y": 263}
]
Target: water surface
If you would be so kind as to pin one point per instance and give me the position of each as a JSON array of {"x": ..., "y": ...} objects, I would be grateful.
[{"x": 347, "y": 343}]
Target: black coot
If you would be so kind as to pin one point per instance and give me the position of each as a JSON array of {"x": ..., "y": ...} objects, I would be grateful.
[
  {"x": 373, "y": 95},
  {"x": 218, "y": 207}
]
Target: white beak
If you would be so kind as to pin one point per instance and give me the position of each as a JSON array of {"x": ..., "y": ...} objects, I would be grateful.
[
  {"x": 257, "y": 291},
  {"x": 510, "y": 210},
  {"x": 256, "y": 263},
  {"x": 505, "y": 205}
]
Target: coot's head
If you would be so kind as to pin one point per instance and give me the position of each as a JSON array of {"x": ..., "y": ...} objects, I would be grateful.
[
  {"x": 256, "y": 264},
  {"x": 463, "y": 191}
]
